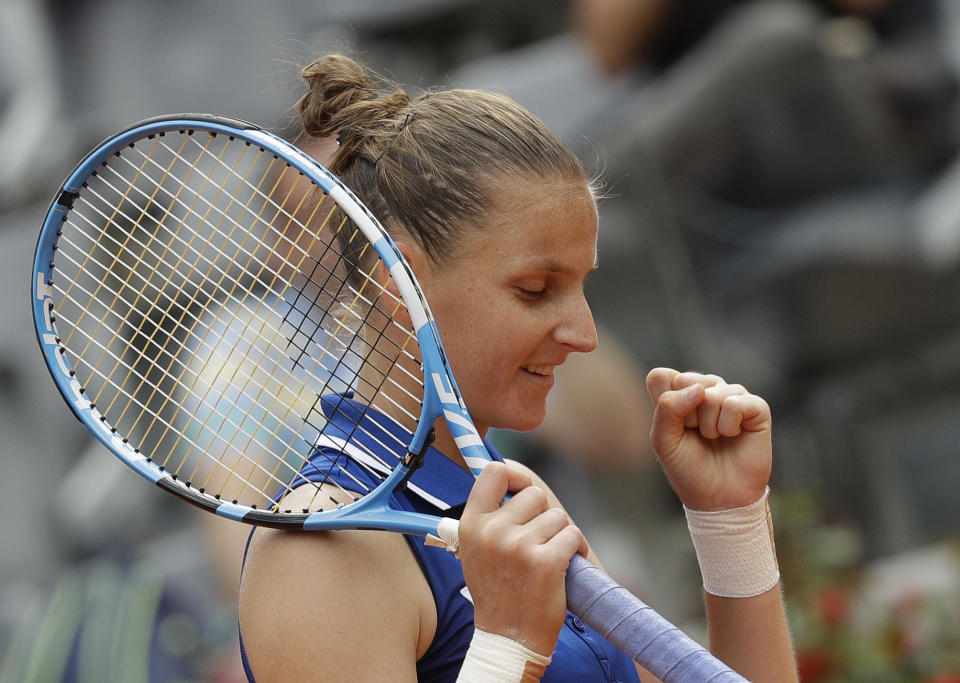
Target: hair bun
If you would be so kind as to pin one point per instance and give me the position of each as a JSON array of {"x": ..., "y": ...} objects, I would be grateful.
[{"x": 335, "y": 83}]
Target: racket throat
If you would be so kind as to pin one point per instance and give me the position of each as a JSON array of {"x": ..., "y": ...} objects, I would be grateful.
[{"x": 413, "y": 460}]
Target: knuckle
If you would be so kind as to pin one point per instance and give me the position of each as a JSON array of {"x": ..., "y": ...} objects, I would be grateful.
[
  {"x": 534, "y": 496},
  {"x": 559, "y": 514}
]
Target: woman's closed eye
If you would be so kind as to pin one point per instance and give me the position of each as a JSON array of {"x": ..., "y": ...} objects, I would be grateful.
[{"x": 531, "y": 292}]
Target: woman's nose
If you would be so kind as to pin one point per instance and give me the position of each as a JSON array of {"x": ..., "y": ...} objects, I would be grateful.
[{"x": 579, "y": 330}]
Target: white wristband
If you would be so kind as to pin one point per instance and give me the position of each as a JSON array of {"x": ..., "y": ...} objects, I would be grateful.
[
  {"x": 496, "y": 659},
  {"x": 735, "y": 549}
]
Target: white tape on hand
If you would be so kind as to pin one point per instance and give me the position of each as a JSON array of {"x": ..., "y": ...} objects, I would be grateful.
[{"x": 497, "y": 659}]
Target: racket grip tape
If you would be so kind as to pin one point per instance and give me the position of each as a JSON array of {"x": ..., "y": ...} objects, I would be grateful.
[{"x": 638, "y": 630}]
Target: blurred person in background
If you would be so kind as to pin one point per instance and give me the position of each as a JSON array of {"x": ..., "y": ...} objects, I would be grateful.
[{"x": 789, "y": 97}]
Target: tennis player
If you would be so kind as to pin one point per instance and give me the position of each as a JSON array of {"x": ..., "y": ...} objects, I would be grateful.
[{"x": 499, "y": 222}]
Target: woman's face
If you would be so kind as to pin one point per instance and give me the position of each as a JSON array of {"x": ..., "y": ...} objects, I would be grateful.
[{"x": 509, "y": 299}]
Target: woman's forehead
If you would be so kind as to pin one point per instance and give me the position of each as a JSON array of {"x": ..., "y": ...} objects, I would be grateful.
[
  {"x": 538, "y": 222},
  {"x": 515, "y": 199}
]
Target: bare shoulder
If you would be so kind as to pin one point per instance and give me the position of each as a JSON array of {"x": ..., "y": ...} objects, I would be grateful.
[
  {"x": 537, "y": 481},
  {"x": 311, "y": 603}
]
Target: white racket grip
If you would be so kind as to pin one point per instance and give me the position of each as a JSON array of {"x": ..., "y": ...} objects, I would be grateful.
[
  {"x": 638, "y": 630},
  {"x": 447, "y": 536}
]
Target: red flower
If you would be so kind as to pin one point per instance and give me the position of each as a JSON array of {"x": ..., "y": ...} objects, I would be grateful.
[
  {"x": 945, "y": 677},
  {"x": 833, "y": 605},
  {"x": 814, "y": 665}
]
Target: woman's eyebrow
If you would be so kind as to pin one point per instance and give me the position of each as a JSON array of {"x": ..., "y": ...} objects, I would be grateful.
[{"x": 554, "y": 266}]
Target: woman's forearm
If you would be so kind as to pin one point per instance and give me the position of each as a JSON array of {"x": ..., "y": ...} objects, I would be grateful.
[{"x": 751, "y": 636}]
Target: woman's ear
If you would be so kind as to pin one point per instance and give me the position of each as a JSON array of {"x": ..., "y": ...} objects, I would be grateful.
[
  {"x": 417, "y": 259},
  {"x": 415, "y": 256}
]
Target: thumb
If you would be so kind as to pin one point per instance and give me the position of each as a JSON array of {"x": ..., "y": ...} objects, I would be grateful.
[
  {"x": 489, "y": 489},
  {"x": 669, "y": 416},
  {"x": 493, "y": 484}
]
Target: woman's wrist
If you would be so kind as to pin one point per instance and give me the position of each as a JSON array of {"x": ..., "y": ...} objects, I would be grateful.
[
  {"x": 735, "y": 549},
  {"x": 492, "y": 658}
]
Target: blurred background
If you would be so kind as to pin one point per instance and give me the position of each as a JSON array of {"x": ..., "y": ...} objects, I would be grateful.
[{"x": 782, "y": 208}]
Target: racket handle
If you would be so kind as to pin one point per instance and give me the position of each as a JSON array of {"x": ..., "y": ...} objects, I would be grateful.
[
  {"x": 625, "y": 620},
  {"x": 639, "y": 631}
]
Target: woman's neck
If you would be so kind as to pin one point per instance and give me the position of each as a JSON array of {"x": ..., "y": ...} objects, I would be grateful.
[{"x": 444, "y": 442}]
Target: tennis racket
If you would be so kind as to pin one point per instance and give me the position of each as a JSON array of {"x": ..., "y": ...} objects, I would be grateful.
[{"x": 230, "y": 321}]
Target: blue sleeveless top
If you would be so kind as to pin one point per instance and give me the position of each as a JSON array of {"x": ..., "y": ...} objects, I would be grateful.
[{"x": 440, "y": 487}]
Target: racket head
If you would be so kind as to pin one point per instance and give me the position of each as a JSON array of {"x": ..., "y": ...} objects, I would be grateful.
[{"x": 188, "y": 296}]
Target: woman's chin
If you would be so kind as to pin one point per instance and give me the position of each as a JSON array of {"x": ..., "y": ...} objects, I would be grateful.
[{"x": 525, "y": 423}]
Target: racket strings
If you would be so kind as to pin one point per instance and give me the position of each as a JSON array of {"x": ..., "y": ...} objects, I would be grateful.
[
  {"x": 112, "y": 269},
  {"x": 114, "y": 208},
  {"x": 173, "y": 357},
  {"x": 369, "y": 386},
  {"x": 319, "y": 262},
  {"x": 296, "y": 265},
  {"x": 179, "y": 293},
  {"x": 172, "y": 299},
  {"x": 158, "y": 258},
  {"x": 358, "y": 293},
  {"x": 308, "y": 336},
  {"x": 176, "y": 230},
  {"x": 168, "y": 423},
  {"x": 256, "y": 275}
]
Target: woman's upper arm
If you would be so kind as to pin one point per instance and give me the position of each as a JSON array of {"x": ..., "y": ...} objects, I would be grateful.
[{"x": 328, "y": 606}]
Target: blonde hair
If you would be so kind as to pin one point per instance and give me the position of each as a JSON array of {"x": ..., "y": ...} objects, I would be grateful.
[{"x": 426, "y": 164}]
